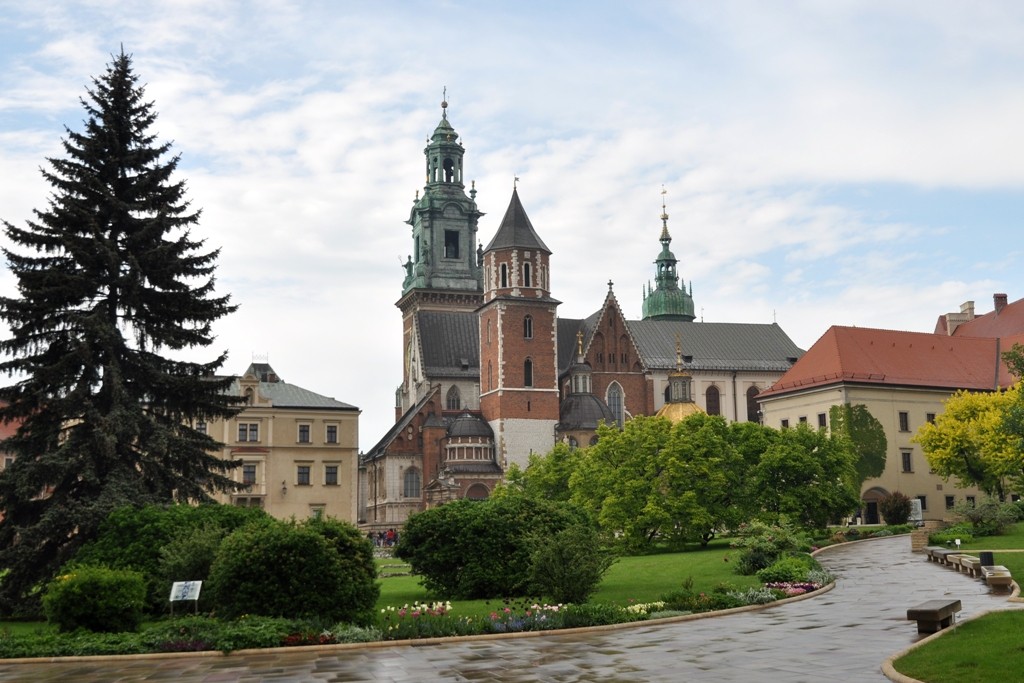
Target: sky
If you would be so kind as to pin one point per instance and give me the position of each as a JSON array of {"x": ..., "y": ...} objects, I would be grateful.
[{"x": 823, "y": 163}]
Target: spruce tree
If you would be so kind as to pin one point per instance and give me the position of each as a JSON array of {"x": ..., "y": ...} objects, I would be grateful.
[{"x": 110, "y": 285}]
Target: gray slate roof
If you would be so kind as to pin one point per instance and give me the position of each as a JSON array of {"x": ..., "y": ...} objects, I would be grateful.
[
  {"x": 516, "y": 230},
  {"x": 715, "y": 346},
  {"x": 380, "y": 448},
  {"x": 451, "y": 343},
  {"x": 284, "y": 395}
]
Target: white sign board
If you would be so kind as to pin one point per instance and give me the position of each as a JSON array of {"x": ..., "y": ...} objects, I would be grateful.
[
  {"x": 185, "y": 590},
  {"x": 916, "y": 514}
]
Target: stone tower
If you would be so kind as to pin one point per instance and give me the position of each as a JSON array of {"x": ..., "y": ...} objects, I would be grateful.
[
  {"x": 667, "y": 301},
  {"x": 518, "y": 340}
]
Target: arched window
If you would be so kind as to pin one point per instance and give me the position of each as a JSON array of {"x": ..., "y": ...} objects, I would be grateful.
[
  {"x": 528, "y": 327},
  {"x": 528, "y": 373},
  {"x": 668, "y": 394},
  {"x": 411, "y": 483},
  {"x": 615, "y": 401},
  {"x": 454, "y": 400},
  {"x": 526, "y": 275},
  {"x": 713, "y": 401},
  {"x": 752, "y": 409},
  {"x": 490, "y": 376},
  {"x": 504, "y": 275}
]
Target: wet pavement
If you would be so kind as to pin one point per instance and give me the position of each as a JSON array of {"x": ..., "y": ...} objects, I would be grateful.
[{"x": 843, "y": 635}]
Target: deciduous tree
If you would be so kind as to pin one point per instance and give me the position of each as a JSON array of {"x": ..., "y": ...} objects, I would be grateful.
[
  {"x": 111, "y": 283},
  {"x": 866, "y": 434}
]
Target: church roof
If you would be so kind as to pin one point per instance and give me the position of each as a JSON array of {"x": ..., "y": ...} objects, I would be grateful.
[
  {"x": 676, "y": 412},
  {"x": 583, "y": 412},
  {"x": 467, "y": 425},
  {"x": 865, "y": 355},
  {"x": 714, "y": 346},
  {"x": 380, "y": 448},
  {"x": 451, "y": 343},
  {"x": 516, "y": 230}
]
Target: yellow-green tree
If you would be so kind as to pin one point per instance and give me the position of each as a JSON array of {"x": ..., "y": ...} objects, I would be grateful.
[{"x": 970, "y": 442}]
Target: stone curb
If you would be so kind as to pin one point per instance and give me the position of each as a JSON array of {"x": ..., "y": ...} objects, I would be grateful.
[{"x": 417, "y": 642}]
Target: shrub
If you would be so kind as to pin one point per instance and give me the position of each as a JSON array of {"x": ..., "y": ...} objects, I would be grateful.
[
  {"x": 950, "y": 534},
  {"x": 283, "y": 569},
  {"x": 596, "y": 614},
  {"x": 567, "y": 566},
  {"x": 687, "y": 599},
  {"x": 480, "y": 549},
  {"x": 762, "y": 544},
  {"x": 135, "y": 538},
  {"x": 359, "y": 589},
  {"x": 95, "y": 598},
  {"x": 988, "y": 517},
  {"x": 895, "y": 508},
  {"x": 792, "y": 568}
]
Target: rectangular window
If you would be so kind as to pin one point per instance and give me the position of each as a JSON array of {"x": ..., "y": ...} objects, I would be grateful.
[
  {"x": 785, "y": 424},
  {"x": 970, "y": 501},
  {"x": 822, "y": 420},
  {"x": 201, "y": 427},
  {"x": 248, "y": 431},
  {"x": 930, "y": 417},
  {"x": 905, "y": 455},
  {"x": 331, "y": 475},
  {"x": 803, "y": 419},
  {"x": 904, "y": 421},
  {"x": 924, "y": 502},
  {"x": 249, "y": 473},
  {"x": 332, "y": 434},
  {"x": 451, "y": 244},
  {"x": 950, "y": 502},
  {"x": 302, "y": 475},
  {"x": 8, "y": 461},
  {"x": 316, "y": 511},
  {"x": 248, "y": 501},
  {"x": 303, "y": 433}
]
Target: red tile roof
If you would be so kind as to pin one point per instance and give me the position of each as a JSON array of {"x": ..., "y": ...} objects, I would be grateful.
[
  {"x": 1008, "y": 321},
  {"x": 894, "y": 358}
]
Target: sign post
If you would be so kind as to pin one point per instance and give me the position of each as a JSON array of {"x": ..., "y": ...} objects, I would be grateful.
[{"x": 186, "y": 590}]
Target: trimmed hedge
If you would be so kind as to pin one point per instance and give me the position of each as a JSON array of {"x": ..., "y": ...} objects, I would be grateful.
[{"x": 95, "y": 598}]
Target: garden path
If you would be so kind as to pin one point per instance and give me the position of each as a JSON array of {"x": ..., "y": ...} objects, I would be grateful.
[{"x": 840, "y": 636}]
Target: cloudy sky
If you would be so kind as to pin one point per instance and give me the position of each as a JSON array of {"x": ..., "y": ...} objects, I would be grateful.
[{"x": 825, "y": 163}]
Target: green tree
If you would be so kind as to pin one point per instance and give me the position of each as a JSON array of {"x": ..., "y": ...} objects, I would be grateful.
[
  {"x": 110, "y": 283},
  {"x": 807, "y": 476},
  {"x": 970, "y": 442},
  {"x": 1014, "y": 359},
  {"x": 546, "y": 475},
  {"x": 866, "y": 434}
]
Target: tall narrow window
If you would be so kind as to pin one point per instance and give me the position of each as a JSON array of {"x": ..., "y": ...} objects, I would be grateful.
[
  {"x": 451, "y": 244},
  {"x": 332, "y": 434},
  {"x": 526, "y": 275},
  {"x": 713, "y": 401},
  {"x": 490, "y": 376},
  {"x": 302, "y": 475},
  {"x": 411, "y": 483},
  {"x": 615, "y": 402},
  {"x": 528, "y": 373},
  {"x": 249, "y": 474},
  {"x": 906, "y": 461},
  {"x": 454, "y": 400},
  {"x": 904, "y": 421},
  {"x": 528, "y": 327},
  {"x": 504, "y": 275},
  {"x": 330, "y": 475},
  {"x": 822, "y": 421},
  {"x": 303, "y": 433},
  {"x": 752, "y": 409}
]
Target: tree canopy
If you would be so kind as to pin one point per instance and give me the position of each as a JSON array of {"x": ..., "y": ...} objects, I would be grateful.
[
  {"x": 867, "y": 436},
  {"x": 110, "y": 281}
]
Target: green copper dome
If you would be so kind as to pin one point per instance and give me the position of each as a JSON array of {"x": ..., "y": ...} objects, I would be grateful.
[{"x": 667, "y": 301}]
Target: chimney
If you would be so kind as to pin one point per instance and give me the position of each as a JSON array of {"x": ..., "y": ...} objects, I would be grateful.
[
  {"x": 967, "y": 308},
  {"x": 1000, "y": 302}
]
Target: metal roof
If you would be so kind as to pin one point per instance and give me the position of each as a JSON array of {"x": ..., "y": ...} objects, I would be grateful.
[
  {"x": 451, "y": 343},
  {"x": 714, "y": 346}
]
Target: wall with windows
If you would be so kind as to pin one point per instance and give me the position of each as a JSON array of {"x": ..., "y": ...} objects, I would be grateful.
[{"x": 901, "y": 411}]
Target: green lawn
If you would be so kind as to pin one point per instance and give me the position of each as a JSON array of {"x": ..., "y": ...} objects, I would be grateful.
[
  {"x": 631, "y": 579},
  {"x": 986, "y": 649},
  {"x": 1013, "y": 538}
]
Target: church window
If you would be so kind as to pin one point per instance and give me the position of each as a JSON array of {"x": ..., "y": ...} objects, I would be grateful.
[
  {"x": 713, "y": 401},
  {"x": 488, "y": 330},
  {"x": 526, "y": 275},
  {"x": 615, "y": 401},
  {"x": 490, "y": 376},
  {"x": 504, "y": 275},
  {"x": 411, "y": 483},
  {"x": 668, "y": 393},
  {"x": 528, "y": 373},
  {"x": 451, "y": 244},
  {"x": 449, "y": 170},
  {"x": 752, "y": 411},
  {"x": 528, "y": 327},
  {"x": 454, "y": 400}
]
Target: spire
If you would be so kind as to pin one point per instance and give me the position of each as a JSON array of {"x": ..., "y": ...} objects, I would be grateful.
[
  {"x": 667, "y": 301},
  {"x": 516, "y": 230}
]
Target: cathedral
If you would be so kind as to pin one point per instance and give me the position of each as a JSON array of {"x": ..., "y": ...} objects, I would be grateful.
[{"x": 491, "y": 373}]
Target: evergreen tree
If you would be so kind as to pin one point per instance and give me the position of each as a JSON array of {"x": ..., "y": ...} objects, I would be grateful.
[{"x": 110, "y": 282}]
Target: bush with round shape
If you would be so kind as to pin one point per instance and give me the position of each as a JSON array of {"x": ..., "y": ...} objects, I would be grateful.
[
  {"x": 284, "y": 569},
  {"x": 761, "y": 544},
  {"x": 788, "y": 569},
  {"x": 895, "y": 508},
  {"x": 567, "y": 566},
  {"x": 359, "y": 592},
  {"x": 96, "y": 599}
]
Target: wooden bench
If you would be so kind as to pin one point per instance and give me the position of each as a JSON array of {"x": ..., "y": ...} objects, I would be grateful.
[{"x": 934, "y": 615}]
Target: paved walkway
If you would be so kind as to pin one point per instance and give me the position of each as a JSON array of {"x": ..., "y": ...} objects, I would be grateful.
[{"x": 841, "y": 636}]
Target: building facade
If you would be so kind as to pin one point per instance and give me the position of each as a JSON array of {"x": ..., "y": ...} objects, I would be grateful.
[
  {"x": 491, "y": 374},
  {"x": 298, "y": 449}
]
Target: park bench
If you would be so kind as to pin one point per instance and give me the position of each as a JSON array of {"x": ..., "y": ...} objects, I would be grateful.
[
  {"x": 970, "y": 565},
  {"x": 940, "y": 554},
  {"x": 930, "y": 552},
  {"x": 934, "y": 615},
  {"x": 952, "y": 560},
  {"x": 997, "y": 575}
]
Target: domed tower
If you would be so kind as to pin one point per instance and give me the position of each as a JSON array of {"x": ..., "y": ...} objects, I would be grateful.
[
  {"x": 581, "y": 411},
  {"x": 667, "y": 301},
  {"x": 518, "y": 340},
  {"x": 679, "y": 401}
]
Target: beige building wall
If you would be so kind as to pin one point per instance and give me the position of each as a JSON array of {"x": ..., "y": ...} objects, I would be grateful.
[
  {"x": 901, "y": 411},
  {"x": 297, "y": 461}
]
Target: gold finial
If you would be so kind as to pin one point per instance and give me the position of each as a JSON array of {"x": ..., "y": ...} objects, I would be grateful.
[
  {"x": 579, "y": 343},
  {"x": 444, "y": 103}
]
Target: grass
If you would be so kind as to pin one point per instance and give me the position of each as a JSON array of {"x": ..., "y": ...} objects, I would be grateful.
[
  {"x": 642, "y": 578},
  {"x": 1013, "y": 538},
  {"x": 986, "y": 649}
]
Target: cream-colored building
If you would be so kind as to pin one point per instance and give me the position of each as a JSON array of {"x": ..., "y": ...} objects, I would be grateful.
[
  {"x": 903, "y": 378},
  {"x": 299, "y": 450}
]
